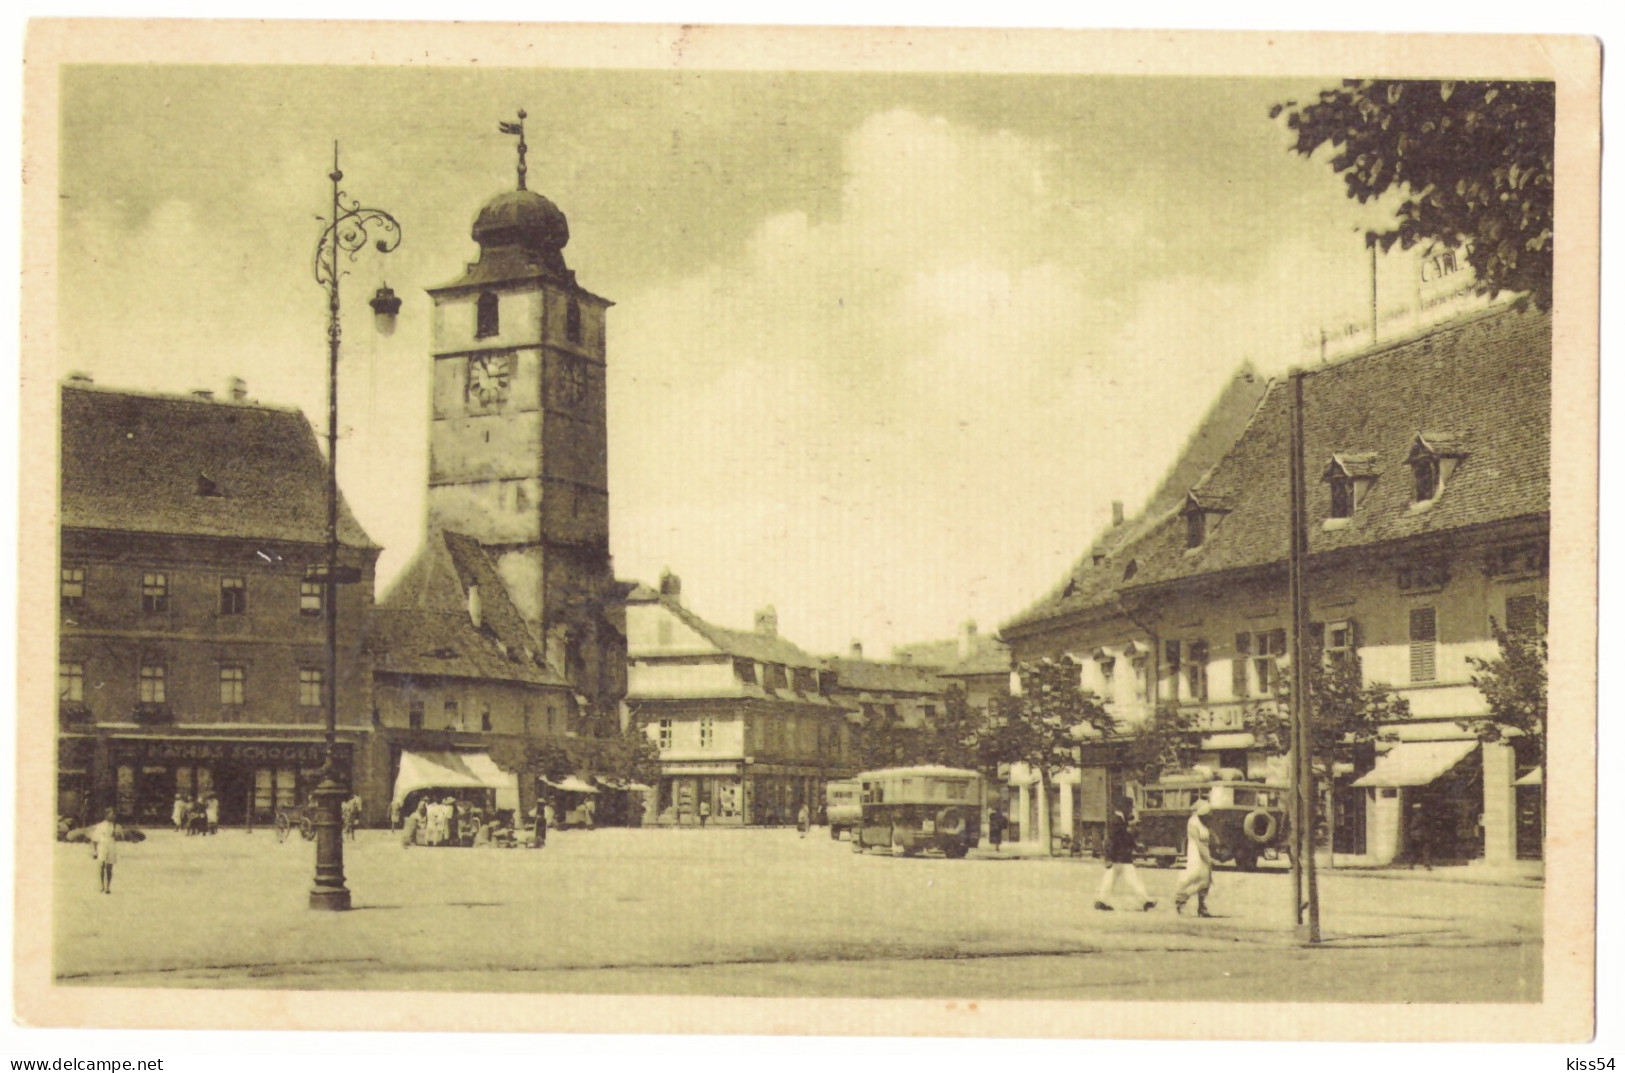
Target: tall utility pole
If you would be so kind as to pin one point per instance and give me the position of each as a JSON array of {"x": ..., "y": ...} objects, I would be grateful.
[{"x": 1305, "y": 892}]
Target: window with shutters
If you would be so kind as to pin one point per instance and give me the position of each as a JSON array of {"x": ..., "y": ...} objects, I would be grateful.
[
  {"x": 1268, "y": 648},
  {"x": 1238, "y": 665},
  {"x": 1196, "y": 670},
  {"x": 1424, "y": 644},
  {"x": 414, "y": 713},
  {"x": 1339, "y": 642},
  {"x": 665, "y": 735},
  {"x": 454, "y": 715},
  {"x": 1524, "y": 614},
  {"x": 707, "y": 732}
]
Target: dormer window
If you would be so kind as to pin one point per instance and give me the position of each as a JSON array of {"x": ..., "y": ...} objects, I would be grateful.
[
  {"x": 1349, "y": 476},
  {"x": 486, "y": 322},
  {"x": 1201, "y": 510},
  {"x": 1433, "y": 459}
]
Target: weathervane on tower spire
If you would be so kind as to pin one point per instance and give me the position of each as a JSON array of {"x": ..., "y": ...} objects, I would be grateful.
[{"x": 519, "y": 129}]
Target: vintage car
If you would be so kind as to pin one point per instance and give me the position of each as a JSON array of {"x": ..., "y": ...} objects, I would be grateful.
[
  {"x": 842, "y": 807},
  {"x": 913, "y": 809},
  {"x": 1248, "y": 819}
]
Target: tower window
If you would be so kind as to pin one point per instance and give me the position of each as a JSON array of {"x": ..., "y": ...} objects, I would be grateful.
[
  {"x": 572, "y": 321},
  {"x": 486, "y": 321}
]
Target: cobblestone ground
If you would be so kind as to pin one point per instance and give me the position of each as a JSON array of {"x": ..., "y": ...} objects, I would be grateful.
[{"x": 762, "y": 912}]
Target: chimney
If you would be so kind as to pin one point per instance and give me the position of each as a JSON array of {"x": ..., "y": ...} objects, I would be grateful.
[
  {"x": 474, "y": 610},
  {"x": 967, "y": 639},
  {"x": 1117, "y": 513},
  {"x": 671, "y": 585},
  {"x": 857, "y": 649},
  {"x": 767, "y": 622},
  {"x": 203, "y": 393},
  {"x": 237, "y": 387}
]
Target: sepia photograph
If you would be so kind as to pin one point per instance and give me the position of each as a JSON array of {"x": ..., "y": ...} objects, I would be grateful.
[{"x": 556, "y": 521}]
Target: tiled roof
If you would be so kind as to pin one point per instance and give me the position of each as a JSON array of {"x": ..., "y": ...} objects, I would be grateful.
[
  {"x": 438, "y": 579},
  {"x": 873, "y": 676},
  {"x": 189, "y": 466},
  {"x": 1088, "y": 583},
  {"x": 1481, "y": 385},
  {"x": 988, "y": 655},
  {"x": 746, "y": 644},
  {"x": 446, "y": 644}
]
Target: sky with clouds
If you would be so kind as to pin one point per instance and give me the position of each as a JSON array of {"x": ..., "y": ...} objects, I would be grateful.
[{"x": 885, "y": 347}]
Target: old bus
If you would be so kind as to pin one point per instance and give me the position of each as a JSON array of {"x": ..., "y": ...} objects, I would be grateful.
[
  {"x": 914, "y": 809},
  {"x": 842, "y": 808},
  {"x": 1247, "y": 821}
]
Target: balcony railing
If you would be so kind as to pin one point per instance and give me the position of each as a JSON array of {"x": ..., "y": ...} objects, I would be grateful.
[{"x": 148, "y": 714}]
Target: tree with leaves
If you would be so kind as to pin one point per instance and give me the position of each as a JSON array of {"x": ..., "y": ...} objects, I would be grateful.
[
  {"x": 1346, "y": 713},
  {"x": 1514, "y": 686},
  {"x": 1474, "y": 161},
  {"x": 1166, "y": 740},
  {"x": 956, "y": 737},
  {"x": 1042, "y": 727}
]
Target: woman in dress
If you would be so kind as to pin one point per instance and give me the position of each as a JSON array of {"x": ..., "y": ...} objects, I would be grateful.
[{"x": 1198, "y": 877}]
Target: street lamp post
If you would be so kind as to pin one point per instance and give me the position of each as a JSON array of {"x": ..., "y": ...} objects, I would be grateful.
[{"x": 347, "y": 232}]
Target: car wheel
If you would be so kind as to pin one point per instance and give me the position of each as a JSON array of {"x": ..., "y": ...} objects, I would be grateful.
[{"x": 1165, "y": 862}]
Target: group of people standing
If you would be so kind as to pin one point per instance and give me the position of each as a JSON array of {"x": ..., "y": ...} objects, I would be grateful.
[
  {"x": 1196, "y": 881},
  {"x": 198, "y": 815}
]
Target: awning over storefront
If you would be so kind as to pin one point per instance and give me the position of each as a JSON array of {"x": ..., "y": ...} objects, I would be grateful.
[
  {"x": 570, "y": 784},
  {"x": 1416, "y": 763},
  {"x": 455, "y": 771},
  {"x": 1532, "y": 778},
  {"x": 1227, "y": 741}
]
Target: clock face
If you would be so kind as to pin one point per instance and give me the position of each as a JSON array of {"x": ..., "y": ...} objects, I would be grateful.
[
  {"x": 573, "y": 383},
  {"x": 488, "y": 378}
]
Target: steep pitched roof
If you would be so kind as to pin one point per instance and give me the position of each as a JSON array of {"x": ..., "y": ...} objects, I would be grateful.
[
  {"x": 873, "y": 676},
  {"x": 194, "y": 467},
  {"x": 1088, "y": 583},
  {"x": 746, "y": 644},
  {"x": 987, "y": 655},
  {"x": 438, "y": 579},
  {"x": 445, "y": 644},
  {"x": 1480, "y": 385}
]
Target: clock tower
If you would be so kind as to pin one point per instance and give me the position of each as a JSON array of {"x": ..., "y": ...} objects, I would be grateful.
[{"x": 518, "y": 450}]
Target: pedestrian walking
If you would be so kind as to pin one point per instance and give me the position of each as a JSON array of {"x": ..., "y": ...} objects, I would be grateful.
[
  {"x": 543, "y": 816},
  {"x": 104, "y": 848},
  {"x": 177, "y": 813},
  {"x": 802, "y": 820},
  {"x": 1198, "y": 877},
  {"x": 705, "y": 811},
  {"x": 995, "y": 829},
  {"x": 350, "y": 815},
  {"x": 211, "y": 814},
  {"x": 413, "y": 825},
  {"x": 1120, "y": 865}
]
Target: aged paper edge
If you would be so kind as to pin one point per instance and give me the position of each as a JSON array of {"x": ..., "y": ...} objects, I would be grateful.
[{"x": 1567, "y": 1010}]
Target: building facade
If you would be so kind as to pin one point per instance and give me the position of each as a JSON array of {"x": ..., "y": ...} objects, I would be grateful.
[
  {"x": 1430, "y": 517},
  {"x": 748, "y": 726},
  {"x": 192, "y": 645}
]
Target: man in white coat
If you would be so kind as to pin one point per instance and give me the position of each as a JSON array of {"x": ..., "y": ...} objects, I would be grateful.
[{"x": 1198, "y": 878}]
